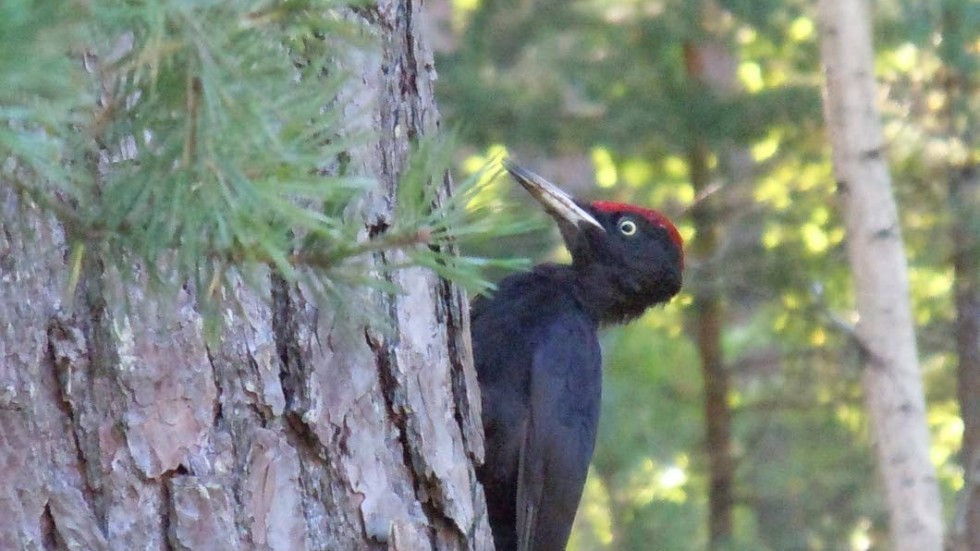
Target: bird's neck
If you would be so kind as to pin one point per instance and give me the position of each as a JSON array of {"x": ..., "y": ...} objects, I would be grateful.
[{"x": 599, "y": 294}]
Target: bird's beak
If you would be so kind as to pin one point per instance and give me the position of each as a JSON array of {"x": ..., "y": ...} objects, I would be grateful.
[{"x": 558, "y": 203}]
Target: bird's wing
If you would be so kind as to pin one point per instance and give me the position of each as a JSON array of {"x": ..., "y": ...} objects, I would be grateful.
[
  {"x": 559, "y": 432},
  {"x": 529, "y": 489}
]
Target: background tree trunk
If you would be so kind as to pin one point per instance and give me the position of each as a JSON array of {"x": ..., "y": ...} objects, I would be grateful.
[
  {"x": 892, "y": 382},
  {"x": 960, "y": 83},
  {"x": 123, "y": 429},
  {"x": 707, "y": 321},
  {"x": 710, "y": 68},
  {"x": 965, "y": 205}
]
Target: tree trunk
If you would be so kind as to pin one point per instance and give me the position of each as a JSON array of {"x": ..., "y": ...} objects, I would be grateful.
[
  {"x": 123, "y": 428},
  {"x": 717, "y": 381},
  {"x": 960, "y": 81},
  {"x": 710, "y": 66},
  {"x": 892, "y": 382},
  {"x": 965, "y": 205}
]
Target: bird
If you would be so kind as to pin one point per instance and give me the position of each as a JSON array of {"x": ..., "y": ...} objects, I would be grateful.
[{"x": 538, "y": 361}]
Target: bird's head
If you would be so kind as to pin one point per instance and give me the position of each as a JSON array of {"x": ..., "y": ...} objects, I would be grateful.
[{"x": 627, "y": 258}]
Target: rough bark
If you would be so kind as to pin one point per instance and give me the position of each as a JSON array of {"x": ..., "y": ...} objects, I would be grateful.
[
  {"x": 299, "y": 429},
  {"x": 892, "y": 382}
]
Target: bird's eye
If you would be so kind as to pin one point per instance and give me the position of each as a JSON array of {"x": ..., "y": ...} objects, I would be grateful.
[{"x": 627, "y": 227}]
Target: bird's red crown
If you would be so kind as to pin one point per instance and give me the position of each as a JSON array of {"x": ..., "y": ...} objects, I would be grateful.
[{"x": 654, "y": 217}]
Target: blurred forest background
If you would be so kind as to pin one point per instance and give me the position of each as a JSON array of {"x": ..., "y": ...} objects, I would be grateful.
[{"x": 712, "y": 113}]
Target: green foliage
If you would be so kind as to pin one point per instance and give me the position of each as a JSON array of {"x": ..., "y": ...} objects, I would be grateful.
[
  {"x": 206, "y": 140},
  {"x": 461, "y": 219},
  {"x": 40, "y": 90}
]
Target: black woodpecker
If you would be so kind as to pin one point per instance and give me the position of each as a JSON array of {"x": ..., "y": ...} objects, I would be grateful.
[{"x": 538, "y": 359}]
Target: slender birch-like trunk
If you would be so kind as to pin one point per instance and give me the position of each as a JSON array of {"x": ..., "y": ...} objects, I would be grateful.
[{"x": 892, "y": 380}]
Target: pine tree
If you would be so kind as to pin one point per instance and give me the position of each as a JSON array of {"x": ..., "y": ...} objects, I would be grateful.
[{"x": 224, "y": 317}]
